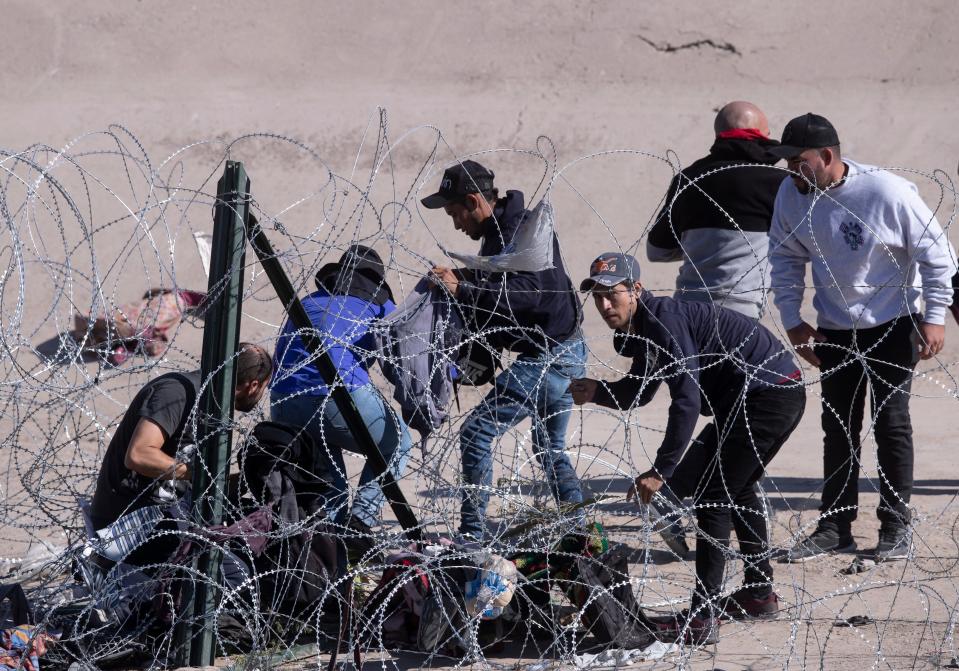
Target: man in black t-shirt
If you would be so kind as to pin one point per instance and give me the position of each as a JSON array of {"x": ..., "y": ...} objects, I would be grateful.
[{"x": 159, "y": 422}]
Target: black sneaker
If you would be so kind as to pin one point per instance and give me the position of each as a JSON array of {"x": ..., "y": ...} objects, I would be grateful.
[
  {"x": 682, "y": 628},
  {"x": 743, "y": 604},
  {"x": 823, "y": 541},
  {"x": 894, "y": 543}
]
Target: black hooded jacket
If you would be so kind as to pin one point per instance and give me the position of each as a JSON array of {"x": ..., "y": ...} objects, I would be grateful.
[
  {"x": 517, "y": 309},
  {"x": 746, "y": 193}
]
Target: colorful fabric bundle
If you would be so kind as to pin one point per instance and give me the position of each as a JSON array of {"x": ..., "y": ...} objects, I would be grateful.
[
  {"x": 22, "y": 647},
  {"x": 150, "y": 322}
]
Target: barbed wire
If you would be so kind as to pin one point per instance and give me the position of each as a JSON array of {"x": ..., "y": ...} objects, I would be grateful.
[{"x": 91, "y": 227}]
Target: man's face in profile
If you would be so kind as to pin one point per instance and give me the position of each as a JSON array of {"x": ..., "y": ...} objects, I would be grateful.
[{"x": 465, "y": 219}]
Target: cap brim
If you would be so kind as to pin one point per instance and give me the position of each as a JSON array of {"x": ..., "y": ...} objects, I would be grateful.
[
  {"x": 604, "y": 280},
  {"x": 324, "y": 272},
  {"x": 785, "y": 151},
  {"x": 435, "y": 202}
]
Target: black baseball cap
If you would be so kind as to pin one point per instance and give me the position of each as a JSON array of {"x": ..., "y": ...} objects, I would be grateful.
[
  {"x": 809, "y": 131},
  {"x": 357, "y": 260},
  {"x": 610, "y": 269},
  {"x": 459, "y": 180}
]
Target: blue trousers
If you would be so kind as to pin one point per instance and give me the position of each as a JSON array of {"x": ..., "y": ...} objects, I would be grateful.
[
  {"x": 322, "y": 419},
  {"x": 537, "y": 387}
]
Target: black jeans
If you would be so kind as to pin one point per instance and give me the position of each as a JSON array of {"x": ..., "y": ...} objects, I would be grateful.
[
  {"x": 720, "y": 473},
  {"x": 884, "y": 357}
]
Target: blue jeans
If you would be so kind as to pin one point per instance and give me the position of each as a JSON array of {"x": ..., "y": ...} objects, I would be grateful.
[
  {"x": 321, "y": 418},
  {"x": 536, "y": 386}
]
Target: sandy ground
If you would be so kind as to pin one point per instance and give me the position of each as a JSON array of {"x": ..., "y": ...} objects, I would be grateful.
[{"x": 607, "y": 93}]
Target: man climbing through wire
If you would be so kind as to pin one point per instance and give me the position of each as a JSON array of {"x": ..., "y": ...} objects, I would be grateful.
[
  {"x": 350, "y": 295},
  {"x": 534, "y": 314},
  {"x": 714, "y": 361}
]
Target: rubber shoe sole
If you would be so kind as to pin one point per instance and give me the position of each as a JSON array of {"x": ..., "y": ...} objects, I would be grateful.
[
  {"x": 898, "y": 553},
  {"x": 791, "y": 559},
  {"x": 734, "y": 611}
]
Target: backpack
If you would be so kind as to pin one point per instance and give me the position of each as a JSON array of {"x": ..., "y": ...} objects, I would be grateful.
[
  {"x": 423, "y": 606},
  {"x": 391, "y": 614},
  {"x": 603, "y": 592},
  {"x": 299, "y": 573}
]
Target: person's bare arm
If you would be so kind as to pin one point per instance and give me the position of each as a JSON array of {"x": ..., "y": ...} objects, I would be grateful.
[{"x": 145, "y": 454}]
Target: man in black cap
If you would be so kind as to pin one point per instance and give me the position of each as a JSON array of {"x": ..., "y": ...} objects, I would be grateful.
[
  {"x": 875, "y": 250},
  {"x": 715, "y": 362},
  {"x": 717, "y": 213},
  {"x": 351, "y": 294},
  {"x": 534, "y": 314}
]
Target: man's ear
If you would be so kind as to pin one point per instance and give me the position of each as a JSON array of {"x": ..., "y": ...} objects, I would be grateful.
[
  {"x": 247, "y": 388},
  {"x": 471, "y": 202}
]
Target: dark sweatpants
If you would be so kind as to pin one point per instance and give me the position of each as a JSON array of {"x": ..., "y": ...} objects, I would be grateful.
[
  {"x": 884, "y": 358},
  {"x": 720, "y": 473}
]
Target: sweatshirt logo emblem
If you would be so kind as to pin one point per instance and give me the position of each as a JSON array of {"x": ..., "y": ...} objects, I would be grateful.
[{"x": 852, "y": 234}]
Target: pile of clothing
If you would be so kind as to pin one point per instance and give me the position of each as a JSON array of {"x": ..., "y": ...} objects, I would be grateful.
[{"x": 147, "y": 324}]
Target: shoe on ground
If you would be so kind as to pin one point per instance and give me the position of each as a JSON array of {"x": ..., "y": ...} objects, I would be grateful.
[
  {"x": 743, "y": 604},
  {"x": 895, "y": 542},
  {"x": 685, "y": 629},
  {"x": 823, "y": 541}
]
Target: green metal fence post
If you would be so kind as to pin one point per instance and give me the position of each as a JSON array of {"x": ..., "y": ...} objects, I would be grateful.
[{"x": 221, "y": 338}]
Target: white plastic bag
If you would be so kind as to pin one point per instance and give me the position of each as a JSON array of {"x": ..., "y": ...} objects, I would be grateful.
[{"x": 530, "y": 250}]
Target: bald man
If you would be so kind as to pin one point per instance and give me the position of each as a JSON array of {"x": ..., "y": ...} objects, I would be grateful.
[{"x": 717, "y": 212}]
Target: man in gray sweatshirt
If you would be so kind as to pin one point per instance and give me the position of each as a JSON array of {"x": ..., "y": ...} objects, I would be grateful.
[{"x": 875, "y": 249}]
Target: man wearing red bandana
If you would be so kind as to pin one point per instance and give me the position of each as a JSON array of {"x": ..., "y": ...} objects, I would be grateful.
[{"x": 716, "y": 215}]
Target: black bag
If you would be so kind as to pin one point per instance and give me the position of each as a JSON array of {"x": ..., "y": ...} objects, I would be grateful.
[
  {"x": 610, "y": 611},
  {"x": 18, "y": 610},
  {"x": 289, "y": 453},
  {"x": 424, "y": 606},
  {"x": 298, "y": 574},
  {"x": 391, "y": 614}
]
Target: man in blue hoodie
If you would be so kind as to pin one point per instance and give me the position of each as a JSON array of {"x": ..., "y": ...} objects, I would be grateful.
[
  {"x": 534, "y": 314},
  {"x": 351, "y": 294}
]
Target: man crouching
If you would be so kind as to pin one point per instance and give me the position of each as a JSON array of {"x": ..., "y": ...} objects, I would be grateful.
[{"x": 714, "y": 361}]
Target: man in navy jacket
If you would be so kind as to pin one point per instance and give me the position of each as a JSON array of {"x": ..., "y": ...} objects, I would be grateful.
[
  {"x": 534, "y": 314},
  {"x": 716, "y": 362}
]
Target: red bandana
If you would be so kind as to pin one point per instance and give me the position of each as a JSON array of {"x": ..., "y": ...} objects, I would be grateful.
[{"x": 742, "y": 134}]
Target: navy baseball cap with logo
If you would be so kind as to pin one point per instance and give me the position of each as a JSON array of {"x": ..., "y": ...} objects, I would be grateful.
[
  {"x": 809, "y": 131},
  {"x": 610, "y": 269},
  {"x": 458, "y": 181}
]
